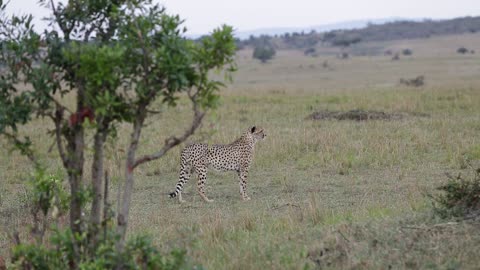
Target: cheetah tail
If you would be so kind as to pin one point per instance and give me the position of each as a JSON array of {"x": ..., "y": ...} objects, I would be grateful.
[{"x": 173, "y": 195}]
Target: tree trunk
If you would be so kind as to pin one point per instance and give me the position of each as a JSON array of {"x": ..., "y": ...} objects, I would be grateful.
[
  {"x": 74, "y": 166},
  {"x": 132, "y": 163},
  {"x": 122, "y": 218},
  {"x": 75, "y": 175},
  {"x": 97, "y": 177}
]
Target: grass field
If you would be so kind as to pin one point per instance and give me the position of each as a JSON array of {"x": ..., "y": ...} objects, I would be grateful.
[{"x": 325, "y": 194}]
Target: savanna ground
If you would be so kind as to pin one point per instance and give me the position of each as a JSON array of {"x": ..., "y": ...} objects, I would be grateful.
[{"x": 325, "y": 194}]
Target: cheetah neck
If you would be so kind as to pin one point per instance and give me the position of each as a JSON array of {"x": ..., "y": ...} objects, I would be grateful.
[{"x": 245, "y": 139}]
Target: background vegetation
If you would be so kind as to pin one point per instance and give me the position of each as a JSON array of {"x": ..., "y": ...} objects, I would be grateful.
[{"x": 373, "y": 32}]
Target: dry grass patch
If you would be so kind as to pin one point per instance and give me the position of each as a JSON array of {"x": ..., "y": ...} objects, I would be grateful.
[{"x": 356, "y": 115}]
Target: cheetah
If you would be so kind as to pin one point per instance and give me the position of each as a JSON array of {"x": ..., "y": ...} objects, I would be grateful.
[{"x": 236, "y": 156}]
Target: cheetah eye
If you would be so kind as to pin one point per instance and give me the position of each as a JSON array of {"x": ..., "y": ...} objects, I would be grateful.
[{"x": 253, "y": 129}]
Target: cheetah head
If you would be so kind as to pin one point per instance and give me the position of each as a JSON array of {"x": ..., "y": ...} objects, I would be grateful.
[{"x": 257, "y": 133}]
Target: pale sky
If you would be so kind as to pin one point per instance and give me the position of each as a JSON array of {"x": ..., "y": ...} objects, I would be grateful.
[{"x": 202, "y": 16}]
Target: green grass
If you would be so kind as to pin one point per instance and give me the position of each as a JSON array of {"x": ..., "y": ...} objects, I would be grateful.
[{"x": 325, "y": 194}]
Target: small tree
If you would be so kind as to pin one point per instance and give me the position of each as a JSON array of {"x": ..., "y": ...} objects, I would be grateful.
[
  {"x": 264, "y": 50},
  {"x": 115, "y": 58},
  {"x": 407, "y": 52},
  {"x": 346, "y": 40},
  {"x": 462, "y": 50},
  {"x": 310, "y": 52}
]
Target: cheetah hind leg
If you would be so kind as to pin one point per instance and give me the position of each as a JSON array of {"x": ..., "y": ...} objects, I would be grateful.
[
  {"x": 180, "y": 199},
  {"x": 202, "y": 179},
  {"x": 185, "y": 173},
  {"x": 242, "y": 175}
]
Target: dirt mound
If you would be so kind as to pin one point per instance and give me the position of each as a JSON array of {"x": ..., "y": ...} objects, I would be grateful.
[
  {"x": 356, "y": 115},
  {"x": 415, "y": 82}
]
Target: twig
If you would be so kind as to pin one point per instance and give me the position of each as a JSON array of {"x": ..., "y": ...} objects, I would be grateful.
[
  {"x": 50, "y": 148},
  {"x": 154, "y": 112},
  {"x": 344, "y": 237},
  {"x": 16, "y": 238},
  {"x": 57, "y": 119},
  {"x": 173, "y": 141},
  {"x": 438, "y": 225},
  {"x": 445, "y": 224},
  {"x": 283, "y": 205},
  {"x": 414, "y": 227},
  {"x": 106, "y": 206}
]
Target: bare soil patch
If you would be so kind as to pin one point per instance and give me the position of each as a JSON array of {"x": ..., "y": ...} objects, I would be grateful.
[
  {"x": 355, "y": 115},
  {"x": 362, "y": 115},
  {"x": 415, "y": 82}
]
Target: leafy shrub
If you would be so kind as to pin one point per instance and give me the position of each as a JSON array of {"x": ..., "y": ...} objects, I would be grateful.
[
  {"x": 415, "y": 82},
  {"x": 462, "y": 50},
  {"x": 139, "y": 253},
  {"x": 407, "y": 52},
  {"x": 345, "y": 40},
  {"x": 343, "y": 55},
  {"x": 65, "y": 249},
  {"x": 310, "y": 52},
  {"x": 47, "y": 192},
  {"x": 459, "y": 197},
  {"x": 264, "y": 52}
]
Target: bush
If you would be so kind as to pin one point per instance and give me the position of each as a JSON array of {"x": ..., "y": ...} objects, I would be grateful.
[
  {"x": 264, "y": 52},
  {"x": 65, "y": 249},
  {"x": 310, "y": 52},
  {"x": 407, "y": 52},
  {"x": 139, "y": 253},
  {"x": 415, "y": 82},
  {"x": 343, "y": 55},
  {"x": 459, "y": 197},
  {"x": 346, "y": 40},
  {"x": 462, "y": 50}
]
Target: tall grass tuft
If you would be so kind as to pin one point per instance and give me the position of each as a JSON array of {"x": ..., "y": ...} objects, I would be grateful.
[{"x": 460, "y": 197}]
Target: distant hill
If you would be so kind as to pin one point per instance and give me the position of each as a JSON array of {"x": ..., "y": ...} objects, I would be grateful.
[
  {"x": 407, "y": 30},
  {"x": 345, "y": 25},
  {"x": 391, "y": 29}
]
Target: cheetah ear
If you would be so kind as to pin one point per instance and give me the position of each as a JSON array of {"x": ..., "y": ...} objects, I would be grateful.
[{"x": 253, "y": 129}]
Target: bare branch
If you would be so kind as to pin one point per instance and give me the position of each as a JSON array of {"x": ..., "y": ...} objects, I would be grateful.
[
  {"x": 174, "y": 141},
  {"x": 61, "y": 23},
  {"x": 95, "y": 26},
  {"x": 106, "y": 206},
  {"x": 153, "y": 112},
  {"x": 59, "y": 105},
  {"x": 146, "y": 63},
  {"x": 58, "y": 134},
  {"x": 16, "y": 238},
  {"x": 54, "y": 9}
]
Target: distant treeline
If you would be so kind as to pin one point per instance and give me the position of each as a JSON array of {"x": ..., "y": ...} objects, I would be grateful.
[{"x": 373, "y": 32}]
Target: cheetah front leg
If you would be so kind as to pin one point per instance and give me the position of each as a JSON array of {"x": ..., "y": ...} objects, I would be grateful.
[
  {"x": 243, "y": 184},
  {"x": 202, "y": 179}
]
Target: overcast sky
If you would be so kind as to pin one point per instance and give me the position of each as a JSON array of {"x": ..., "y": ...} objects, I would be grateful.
[{"x": 204, "y": 15}]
